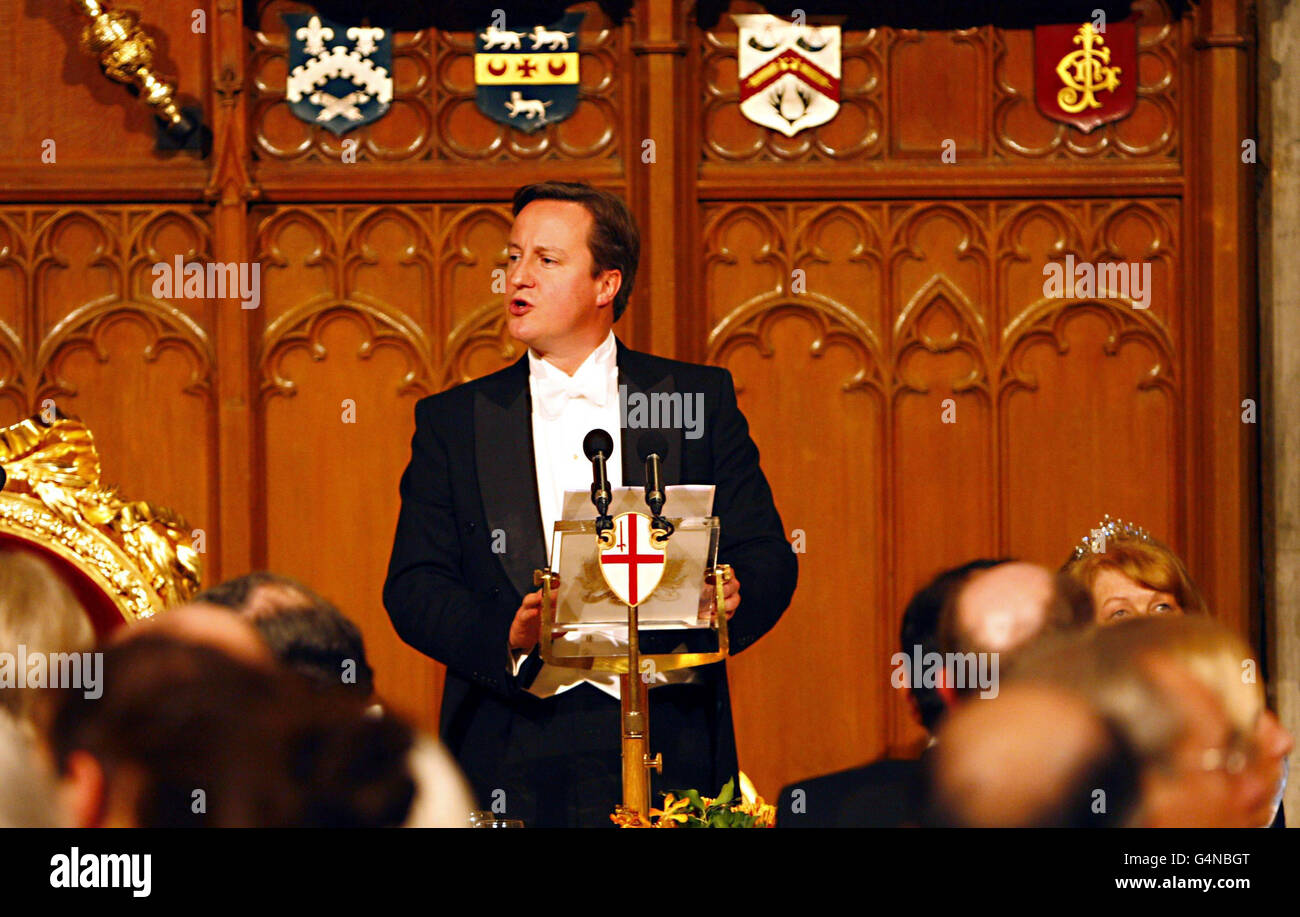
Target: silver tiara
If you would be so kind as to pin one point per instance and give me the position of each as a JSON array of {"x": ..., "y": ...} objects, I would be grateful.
[{"x": 1095, "y": 541}]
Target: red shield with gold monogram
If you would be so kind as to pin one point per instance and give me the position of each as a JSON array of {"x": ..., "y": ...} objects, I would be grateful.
[{"x": 1085, "y": 76}]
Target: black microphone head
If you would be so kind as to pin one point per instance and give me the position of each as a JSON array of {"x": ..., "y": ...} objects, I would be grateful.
[
  {"x": 598, "y": 441},
  {"x": 651, "y": 442}
]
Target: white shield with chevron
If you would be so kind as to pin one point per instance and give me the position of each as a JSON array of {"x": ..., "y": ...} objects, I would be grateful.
[{"x": 789, "y": 74}]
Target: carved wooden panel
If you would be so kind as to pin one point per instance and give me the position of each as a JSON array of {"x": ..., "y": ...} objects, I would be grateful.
[
  {"x": 82, "y": 328},
  {"x": 1152, "y": 132},
  {"x": 905, "y": 93},
  {"x": 367, "y": 310},
  {"x": 57, "y": 91},
  {"x": 433, "y": 114},
  {"x": 972, "y": 396}
]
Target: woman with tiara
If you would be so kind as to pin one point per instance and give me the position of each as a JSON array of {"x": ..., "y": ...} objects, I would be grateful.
[{"x": 1130, "y": 574}]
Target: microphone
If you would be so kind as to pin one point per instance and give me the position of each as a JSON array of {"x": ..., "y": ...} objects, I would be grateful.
[
  {"x": 652, "y": 448},
  {"x": 598, "y": 446}
]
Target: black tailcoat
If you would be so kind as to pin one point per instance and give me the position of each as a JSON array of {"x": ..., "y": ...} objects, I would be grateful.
[{"x": 472, "y": 473}]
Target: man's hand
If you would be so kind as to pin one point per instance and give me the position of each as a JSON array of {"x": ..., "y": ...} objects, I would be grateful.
[
  {"x": 525, "y": 630},
  {"x": 730, "y": 596}
]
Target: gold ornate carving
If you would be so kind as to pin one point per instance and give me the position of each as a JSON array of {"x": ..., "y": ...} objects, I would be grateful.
[
  {"x": 140, "y": 555},
  {"x": 126, "y": 53}
]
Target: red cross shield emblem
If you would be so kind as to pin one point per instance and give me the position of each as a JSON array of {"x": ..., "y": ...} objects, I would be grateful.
[{"x": 633, "y": 566}]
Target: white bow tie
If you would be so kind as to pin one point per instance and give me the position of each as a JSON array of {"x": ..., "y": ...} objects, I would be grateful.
[{"x": 553, "y": 392}]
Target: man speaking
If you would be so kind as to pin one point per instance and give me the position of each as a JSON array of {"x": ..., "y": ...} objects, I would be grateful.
[{"x": 490, "y": 462}]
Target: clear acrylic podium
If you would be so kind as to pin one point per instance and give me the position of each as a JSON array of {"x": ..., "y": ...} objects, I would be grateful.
[{"x": 634, "y": 578}]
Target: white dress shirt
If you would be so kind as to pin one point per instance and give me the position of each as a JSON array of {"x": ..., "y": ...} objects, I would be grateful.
[{"x": 564, "y": 410}]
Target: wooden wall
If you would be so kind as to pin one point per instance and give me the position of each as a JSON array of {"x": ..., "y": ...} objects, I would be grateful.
[{"x": 921, "y": 281}]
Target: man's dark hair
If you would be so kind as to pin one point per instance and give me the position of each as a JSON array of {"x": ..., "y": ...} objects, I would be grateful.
[
  {"x": 319, "y": 643},
  {"x": 235, "y": 593},
  {"x": 614, "y": 242},
  {"x": 266, "y": 750},
  {"x": 306, "y": 633},
  {"x": 921, "y": 628}
]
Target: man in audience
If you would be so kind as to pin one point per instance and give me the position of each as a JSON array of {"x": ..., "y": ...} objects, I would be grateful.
[
  {"x": 1000, "y": 610},
  {"x": 185, "y": 735},
  {"x": 885, "y": 793},
  {"x": 308, "y": 635},
  {"x": 205, "y": 625},
  {"x": 1211, "y": 753},
  {"x": 1004, "y": 603},
  {"x": 261, "y": 591},
  {"x": 1034, "y": 757}
]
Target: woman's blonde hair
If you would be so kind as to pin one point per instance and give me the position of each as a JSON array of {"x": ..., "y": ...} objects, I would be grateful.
[
  {"x": 1145, "y": 561},
  {"x": 1105, "y": 664},
  {"x": 38, "y": 611}
]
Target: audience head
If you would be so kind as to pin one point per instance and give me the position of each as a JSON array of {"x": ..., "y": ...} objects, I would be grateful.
[
  {"x": 304, "y": 631},
  {"x": 920, "y": 628},
  {"x": 1034, "y": 756},
  {"x": 205, "y": 625},
  {"x": 1002, "y": 609},
  {"x": 1185, "y": 694},
  {"x": 27, "y": 796},
  {"x": 185, "y": 735},
  {"x": 37, "y": 611},
  {"x": 1135, "y": 576}
]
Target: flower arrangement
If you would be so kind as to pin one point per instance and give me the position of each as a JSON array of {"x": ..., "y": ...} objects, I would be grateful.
[{"x": 688, "y": 809}]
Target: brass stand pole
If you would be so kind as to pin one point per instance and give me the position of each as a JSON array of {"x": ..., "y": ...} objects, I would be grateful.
[
  {"x": 634, "y": 695},
  {"x": 633, "y": 689}
]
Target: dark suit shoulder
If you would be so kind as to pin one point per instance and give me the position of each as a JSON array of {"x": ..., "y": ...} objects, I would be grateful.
[
  {"x": 882, "y": 794},
  {"x": 649, "y": 364},
  {"x": 884, "y": 770},
  {"x": 499, "y": 385}
]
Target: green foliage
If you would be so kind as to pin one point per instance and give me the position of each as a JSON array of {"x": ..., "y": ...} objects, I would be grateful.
[{"x": 717, "y": 813}]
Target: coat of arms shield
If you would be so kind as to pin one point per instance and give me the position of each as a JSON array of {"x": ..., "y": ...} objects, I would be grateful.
[
  {"x": 789, "y": 74},
  {"x": 340, "y": 77},
  {"x": 1083, "y": 76},
  {"x": 528, "y": 79},
  {"x": 633, "y": 567}
]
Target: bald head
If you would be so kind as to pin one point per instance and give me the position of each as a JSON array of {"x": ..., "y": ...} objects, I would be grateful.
[
  {"x": 208, "y": 625},
  {"x": 1034, "y": 756},
  {"x": 1004, "y": 607}
]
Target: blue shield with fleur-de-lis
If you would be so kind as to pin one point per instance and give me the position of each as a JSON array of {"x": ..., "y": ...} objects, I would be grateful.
[
  {"x": 528, "y": 79},
  {"x": 340, "y": 77}
]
